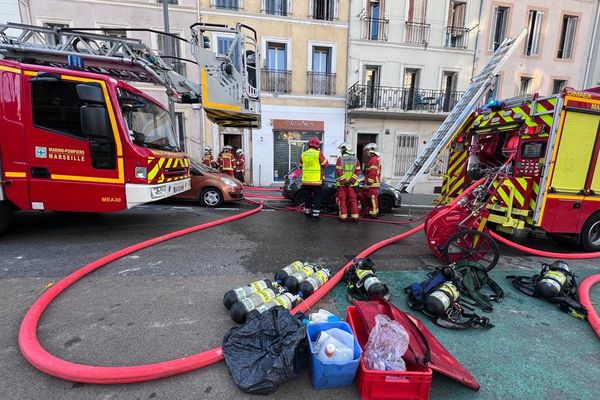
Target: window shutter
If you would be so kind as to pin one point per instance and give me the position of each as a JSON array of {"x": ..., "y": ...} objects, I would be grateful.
[
  {"x": 311, "y": 8},
  {"x": 336, "y": 9}
]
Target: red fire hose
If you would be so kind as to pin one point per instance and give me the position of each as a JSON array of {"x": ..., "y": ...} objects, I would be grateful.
[
  {"x": 584, "y": 299},
  {"x": 541, "y": 253}
]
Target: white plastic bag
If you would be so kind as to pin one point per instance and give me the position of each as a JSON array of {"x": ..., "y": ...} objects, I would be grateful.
[{"x": 388, "y": 341}]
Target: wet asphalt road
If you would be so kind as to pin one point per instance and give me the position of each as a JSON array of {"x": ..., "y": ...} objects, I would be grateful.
[{"x": 166, "y": 301}]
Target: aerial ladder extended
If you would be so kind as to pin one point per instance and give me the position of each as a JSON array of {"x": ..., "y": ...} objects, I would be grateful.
[
  {"x": 229, "y": 87},
  {"x": 460, "y": 113}
]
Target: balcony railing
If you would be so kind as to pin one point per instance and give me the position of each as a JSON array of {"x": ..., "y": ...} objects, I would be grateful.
[
  {"x": 375, "y": 29},
  {"x": 389, "y": 98},
  {"x": 417, "y": 33},
  {"x": 457, "y": 37},
  {"x": 325, "y": 10},
  {"x": 276, "y": 7},
  {"x": 276, "y": 81},
  {"x": 320, "y": 83},
  {"x": 226, "y": 4}
]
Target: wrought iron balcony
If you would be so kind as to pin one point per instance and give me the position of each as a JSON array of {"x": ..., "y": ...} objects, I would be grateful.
[
  {"x": 388, "y": 98},
  {"x": 320, "y": 83},
  {"x": 375, "y": 29},
  {"x": 276, "y": 81},
  {"x": 226, "y": 4},
  {"x": 457, "y": 37},
  {"x": 417, "y": 33}
]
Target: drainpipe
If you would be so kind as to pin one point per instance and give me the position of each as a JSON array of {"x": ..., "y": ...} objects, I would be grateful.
[
  {"x": 477, "y": 38},
  {"x": 593, "y": 50},
  {"x": 348, "y": 61}
]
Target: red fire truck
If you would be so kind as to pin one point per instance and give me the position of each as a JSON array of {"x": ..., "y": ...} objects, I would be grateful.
[
  {"x": 547, "y": 148},
  {"x": 73, "y": 137}
]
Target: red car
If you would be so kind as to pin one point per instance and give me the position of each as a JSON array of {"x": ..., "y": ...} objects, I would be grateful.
[{"x": 211, "y": 187}]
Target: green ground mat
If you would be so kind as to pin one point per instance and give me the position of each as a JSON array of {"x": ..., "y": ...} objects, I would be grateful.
[{"x": 534, "y": 351}]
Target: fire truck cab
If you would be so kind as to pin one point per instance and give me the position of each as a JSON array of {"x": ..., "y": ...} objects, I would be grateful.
[
  {"x": 548, "y": 148},
  {"x": 77, "y": 141}
]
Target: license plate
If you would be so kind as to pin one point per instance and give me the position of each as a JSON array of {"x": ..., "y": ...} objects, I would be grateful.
[{"x": 178, "y": 188}]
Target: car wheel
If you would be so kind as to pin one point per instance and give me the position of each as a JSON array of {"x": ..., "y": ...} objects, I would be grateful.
[
  {"x": 5, "y": 216},
  {"x": 301, "y": 197},
  {"x": 385, "y": 204},
  {"x": 211, "y": 197},
  {"x": 590, "y": 234}
]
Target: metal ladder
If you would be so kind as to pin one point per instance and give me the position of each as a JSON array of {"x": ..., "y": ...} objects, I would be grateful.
[
  {"x": 459, "y": 113},
  {"x": 132, "y": 60}
]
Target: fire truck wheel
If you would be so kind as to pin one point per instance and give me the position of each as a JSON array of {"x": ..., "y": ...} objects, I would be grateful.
[
  {"x": 590, "y": 234},
  {"x": 470, "y": 244},
  {"x": 211, "y": 197},
  {"x": 5, "y": 216}
]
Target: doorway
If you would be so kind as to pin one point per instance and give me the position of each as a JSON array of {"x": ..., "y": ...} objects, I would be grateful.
[
  {"x": 449, "y": 79},
  {"x": 233, "y": 140},
  {"x": 411, "y": 84},
  {"x": 372, "y": 84},
  {"x": 362, "y": 140}
]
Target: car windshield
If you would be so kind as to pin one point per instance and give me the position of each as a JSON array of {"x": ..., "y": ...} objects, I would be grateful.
[
  {"x": 201, "y": 167},
  {"x": 148, "y": 125}
]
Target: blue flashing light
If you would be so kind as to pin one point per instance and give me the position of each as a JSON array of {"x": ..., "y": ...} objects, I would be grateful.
[
  {"x": 75, "y": 61},
  {"x": 493, "y": 103}
]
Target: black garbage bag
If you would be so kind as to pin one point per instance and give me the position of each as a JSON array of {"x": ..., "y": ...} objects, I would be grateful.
[{"x": 266, "y": 351}]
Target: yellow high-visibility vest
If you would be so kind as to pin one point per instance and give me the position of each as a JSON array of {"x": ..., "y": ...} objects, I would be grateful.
[{"x": 311, "y": 167}]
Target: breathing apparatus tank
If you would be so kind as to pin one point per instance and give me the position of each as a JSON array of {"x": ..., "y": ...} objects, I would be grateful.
[
  {"x": 285, "y": 300},
  {"x": 438, "y": 302},
  {"x": 233, "y": 296},
  {"x": 287, "y": 271},
  {"x": 240, "y": 309},
  {"x": 553, "y": 279},
  {"x": 362, "y": 277},
  {"x": 313, "y": 282},
  {"x": 294, "y": 280}
]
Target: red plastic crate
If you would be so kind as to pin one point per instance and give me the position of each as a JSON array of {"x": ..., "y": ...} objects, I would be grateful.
[{"x": 412, "y": 384}]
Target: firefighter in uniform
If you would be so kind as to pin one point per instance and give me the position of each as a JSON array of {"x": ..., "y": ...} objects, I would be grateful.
[
  {"x": 347, "y": 169},
  {"x": 227, "y": 160},
  {"x": 313, "y": 162},
  {"x": 240, "y": 165},
  {"x": 372, "y": 181},
  {"x": 207, "y": 158}
]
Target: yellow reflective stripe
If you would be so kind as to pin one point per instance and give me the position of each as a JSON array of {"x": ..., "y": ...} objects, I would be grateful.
[
  {"x": 169, "y": 161},
  {"x": 458, "y": 163},
  {"x": 458, "y": 184},
  {"x": 547, "y": 119},
  {"x": 152, "y": 174},
  {"x": 10, "y": 69},
  {"x": 15, "y": 174},
  {"x": 210, "y": 104},
  {"x": 96, "y": 179}
]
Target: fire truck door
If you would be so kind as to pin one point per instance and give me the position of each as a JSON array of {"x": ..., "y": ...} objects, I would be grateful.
[
  {"x": 74, "y": 150},
  {"x": 567, "y": 187}
]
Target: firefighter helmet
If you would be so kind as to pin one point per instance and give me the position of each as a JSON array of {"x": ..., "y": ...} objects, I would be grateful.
[
  {"x": 371, "y": 147},
  {"x": 314, "y": 142},
  {"x": 227, "y": 148},
  {"x": 345, "y": 147},
  {"x": 207, "y": 150},
  {"x": 239, "y": 152}
]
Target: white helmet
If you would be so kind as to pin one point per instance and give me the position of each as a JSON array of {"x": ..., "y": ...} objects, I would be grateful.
[
  {"x": 207, "y": 150},
  {"x": 227, "y": 148},
  {"x": 372, "y": 147},
  {"x": 345, "y": 147},
  {"x": 239, "y": 152}
]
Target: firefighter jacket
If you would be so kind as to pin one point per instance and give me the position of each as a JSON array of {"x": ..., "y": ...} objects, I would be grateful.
[
  {"x": 313, "y": 163},
  {"x": 226, "y": 161},
  {"x": 373, "y": 172},
  {"x": 240, "y": 164},
  {"x": 347, "y": 169},
  {"x": 208, "y": 160}
]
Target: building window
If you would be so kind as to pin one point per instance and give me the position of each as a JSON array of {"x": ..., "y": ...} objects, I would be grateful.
[
  {"x": 525, "y": 86},
  {"x": 567, "y": 37},
  {"x": 457, "y": 35},
  {"x": 534, "y": 32},
  {"x": 417, "y": 30},
  {"x": 276, "y": 7},
  {"x": 558, "y": 85},
  {"x": 276, "y": 77},
  {"x": 372, "y": 73},
  {"x": 495, "y": 89},
  {"x": 405, "y": 152},
  {"x": 321, "y": 80},
  {"x": 174, "y": 2},
  {"x": 226, "y": 4},
  {"x": 326, "y": 10},
  {"x": 411, "y": 97},
  {"x": 180, "y": 128},
  {"x": 225, "y": 46},
  {"x": 375, "y": 27},
  {"x": 118, "y": 33},
  {"x": 499, "y": 26},
  {"x": 171, "y": 55}
]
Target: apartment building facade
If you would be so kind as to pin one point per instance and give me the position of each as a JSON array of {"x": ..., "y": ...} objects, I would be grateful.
[
  {"x": 558, "y": 50},
  {"x": 409, "y": 63},
  {"x": 109, "y": 17},
  {"x": 303, "y": 79}
]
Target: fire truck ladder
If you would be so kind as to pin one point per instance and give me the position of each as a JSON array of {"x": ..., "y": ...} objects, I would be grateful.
[
  {"x": 460, "y": 113},
  {"x": 130, "y": 60}
]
